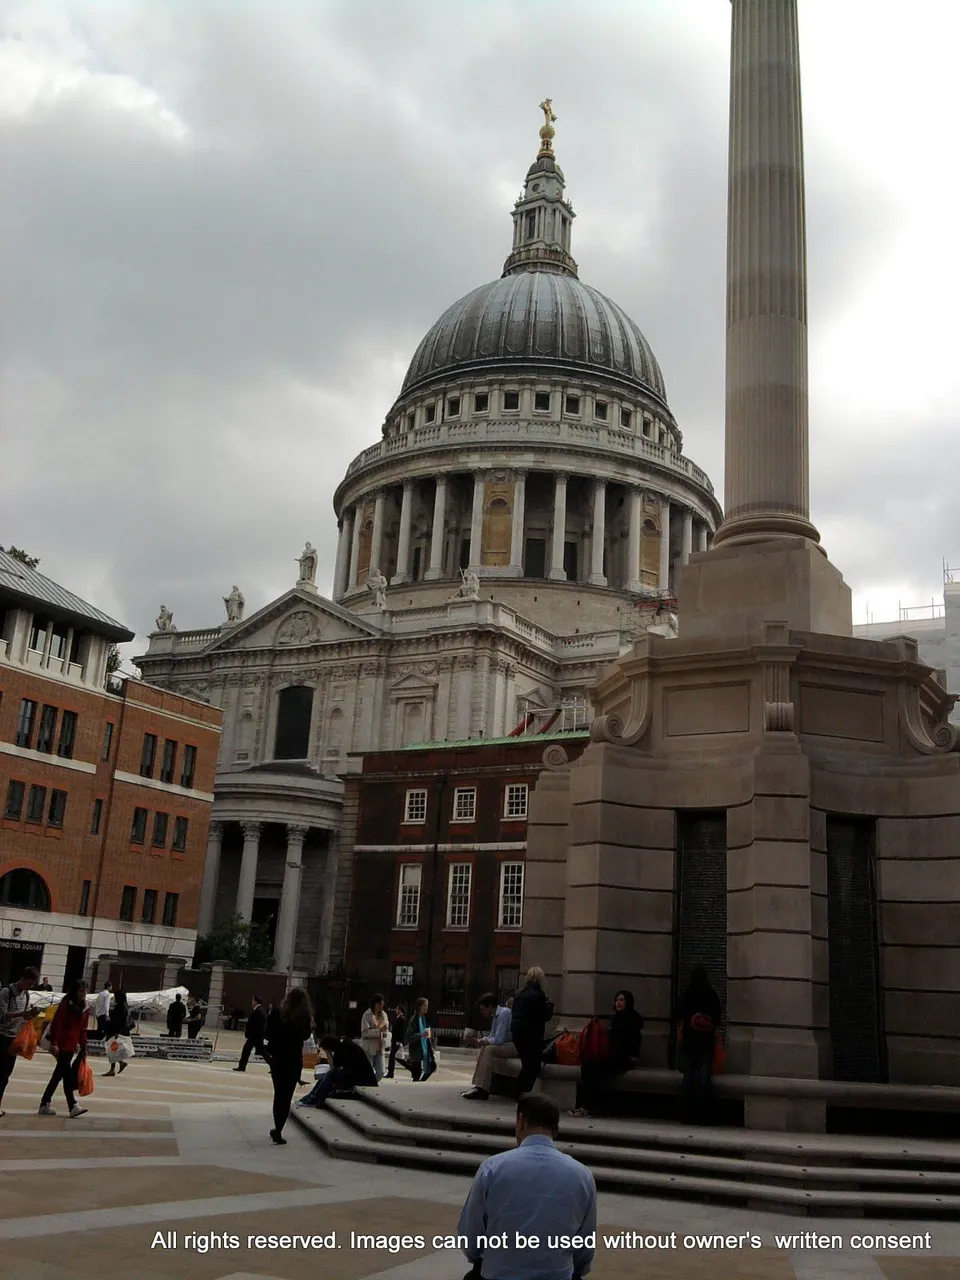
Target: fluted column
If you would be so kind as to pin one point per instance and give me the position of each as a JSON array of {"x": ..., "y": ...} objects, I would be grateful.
[
  {"x": 599, "y": 536},
  {"x": 376, "y": 541},
  {"x": 286, "y": 934},
  {"x": 767, "y": 437},
  {"x": 355, "y": 546},
  {"x": 248, "y": 870},
  {"x": 476, "y": 523},
  {"x": 702, "y": 534},
  {"x": 436, "y": 538},
  {"x": 633, "y": 541},
  {"x": 665, "y": 546},
  {"x": 211, "y": 878},
  {"x": 344, "y": 546},
  {"x": 519, "y": 523},
  {"x": 557, "y": 571},
  {"x": 686, "y": 546},
  {"x": 403, "y": 543}
]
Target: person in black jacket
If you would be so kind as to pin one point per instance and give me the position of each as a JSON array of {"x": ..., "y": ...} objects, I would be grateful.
[
  {"x": 397, "y": 1032},
  {"x": 176, "y": 1016},
  {"x": 350, "y": 1068},
  {"x": 531, "y": 1013},
  {"x": 253, "y": 1033},
  {"x": 626, "y": 1032},
  {"x": 698, "y": 1020},
  {"x": 287, "y": 1028},
  {"x": 119, "y": 1023}
]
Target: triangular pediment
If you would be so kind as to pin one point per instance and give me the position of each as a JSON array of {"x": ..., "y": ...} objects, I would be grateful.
[
  {"x": 296, "y": 620},
  {"x": 412, "y": 683}
]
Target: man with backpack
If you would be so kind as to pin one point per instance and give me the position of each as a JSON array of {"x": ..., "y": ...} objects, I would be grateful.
[{"x": 14, "y": 1011}]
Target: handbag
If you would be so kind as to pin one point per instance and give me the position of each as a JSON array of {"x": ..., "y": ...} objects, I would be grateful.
[
  {"x": 119, "y": 1049},
  {"x": 84, "y": 1079}
]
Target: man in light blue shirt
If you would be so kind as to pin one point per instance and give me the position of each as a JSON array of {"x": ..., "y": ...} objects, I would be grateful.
[
  {"x": 532, "y": 1212},
  {"x": 496, "y": 1045}
]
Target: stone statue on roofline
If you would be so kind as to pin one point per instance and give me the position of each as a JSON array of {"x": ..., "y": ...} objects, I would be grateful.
[
  {"x": 165, "y": 619},
  {"x": 469, "y": 588},
  {"x": 234, "y": 602},
  {"x": 377, "y": 583},
  {"x": 308, "y": 565}
]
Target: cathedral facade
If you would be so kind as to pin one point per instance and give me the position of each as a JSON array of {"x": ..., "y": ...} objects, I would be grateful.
[{"x": 521, "y": 520}]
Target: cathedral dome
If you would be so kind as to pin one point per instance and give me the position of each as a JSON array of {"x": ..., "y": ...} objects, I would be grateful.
[{"x": 543, "y": 317}]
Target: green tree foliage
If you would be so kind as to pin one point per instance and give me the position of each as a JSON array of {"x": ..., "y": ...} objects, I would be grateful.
[
  {"x": 32, "y": 562},
  {"x": 242, "y": 945}
]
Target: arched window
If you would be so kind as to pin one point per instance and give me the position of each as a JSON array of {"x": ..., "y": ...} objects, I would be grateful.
[
  {"x": 294, "y": 711},
  {"x": 23, "y": 888}
]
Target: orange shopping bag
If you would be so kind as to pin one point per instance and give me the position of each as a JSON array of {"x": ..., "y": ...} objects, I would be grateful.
[
  {"x": 84, "y": 1079},
  {"x": 719, "y": 1055},
  {"x": 25, "y": 1042}
]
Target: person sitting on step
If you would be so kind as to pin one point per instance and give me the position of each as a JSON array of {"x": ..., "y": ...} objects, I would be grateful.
[{"x": 350, "y": 1068}]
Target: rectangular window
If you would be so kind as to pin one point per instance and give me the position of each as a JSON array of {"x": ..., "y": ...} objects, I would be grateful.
[
  {"x": 511, "y": 401},
  {"x": 14, "y": 805},
  {"x": 515, "y": 800},
  {"x": 48, "y": 723},
  {"x": 453, "y": 407},
  {"x": 97, "y": 816},
  {"x": 626, "y": 417},
  {"x": 148, "y": 755},
  {"x": 508, "y": 983},
  {"x": 600, "y": 410},
  {"x": 169, "y": 760},
  {"x": 58, "y": 807},
  {"x": 128, "y": 902},
  {"x": 25, "y": 722},
  {"x": 408, "y": 897},
  {"x": 454, "y": 978},
  {"x": 510, "y": 914},
  {"x": 541, "y": 402},
  {"x": 411, "y": 419},
  {"x": 535, "y": 558},
  {"x": 415, "y": 807},
  {"x": 148, "y": 912},
  {"x": 189, "y": 767},
  {"x": 465, "y": 804},
  {"x": 458, "y": 895},
  {"x": 35, "y": 804},
  {"x": 430, "y": 413},
  {"x": 138, "y": 832},
  {"x": 481, "y": 402},
  {"x": 403, "y": 975},
  {"x": 179, "y": 834},
  {"x": 571, "y": 405},
  {"x": 160, "y": 821},
  {"x": 170, "y": 909},
  {"x": 107, "y": 740},
  {"x": 68, "y": 734},
  {"x": 85, "y": 898}
]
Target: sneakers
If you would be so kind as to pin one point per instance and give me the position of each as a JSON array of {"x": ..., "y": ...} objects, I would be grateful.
[
  {"x": 77, "y": 1110},
  {"x": 475, "y": 1095},
  {"x": 46, "y": 1110}
]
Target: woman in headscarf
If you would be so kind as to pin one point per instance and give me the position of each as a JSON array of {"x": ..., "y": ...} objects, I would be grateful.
[
  {"x": 626, "y": 1033},
  {"x": 531, "y": 1013},
  {"x": 698, "y": 1021},
  {"x": 287, "y": 1028},
  {"x": 420, "y": 1042}
]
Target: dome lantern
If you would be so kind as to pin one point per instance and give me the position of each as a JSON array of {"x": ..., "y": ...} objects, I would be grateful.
[{"x": 542, "y": 218}]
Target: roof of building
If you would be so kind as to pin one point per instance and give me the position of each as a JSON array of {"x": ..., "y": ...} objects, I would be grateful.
[
  {"x": 20, "y": 584},
  {"x": 520, "y": 740}
]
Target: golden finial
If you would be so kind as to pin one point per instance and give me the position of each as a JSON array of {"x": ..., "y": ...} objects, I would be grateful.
[{"x": 547, "y": 130}]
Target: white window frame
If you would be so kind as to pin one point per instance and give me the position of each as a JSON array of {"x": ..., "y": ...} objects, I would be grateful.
[
  {"x": 459, "y": 889},
  {"x": 453, "y": 413},
  {"x": 511, "y": 391},
  {"x": 469, "y": 793},
  {"x": 412, "y": 805},
  {"x": 403, "y": 975},
  {"x": 408, "y": 895},
  {"x": 514, "y": 869},
  {"x": 511, "y": 799},
  {"x": 601, "y": 410},
  {"x": 573, "y": 413},
  {"x": 543, "y": 391}
]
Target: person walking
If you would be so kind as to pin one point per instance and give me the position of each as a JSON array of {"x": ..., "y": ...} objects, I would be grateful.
[
  {"x": 423, "y": 1062},
  {"x": 533, "y": 1190},
  {"x": 195, "y": 1017},
  {"x": 350, "y": 1068},
  {"x": 496, "y": 1045},
  {"x": 287, "y": 1028},
  {"x": 623, "y": 1053},
  {"x": 101, "y": 1010},
  {"x": 176, "y": 1016},
  {"x": 120, "y": 1023},
  {"x": 530, "y": 1015},
  {"x": 698, "y": 1020},
  {"x": 253, "y": 1034},
  {"x": 14, "y": 1011},
  {"x": 374, "y": 1029},
  {"x": 397, "y": 1033},
  {"x": 68, "y": 1044}
]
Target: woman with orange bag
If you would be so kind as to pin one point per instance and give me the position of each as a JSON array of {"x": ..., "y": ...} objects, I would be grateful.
[{"x": 68, "y": 1043}]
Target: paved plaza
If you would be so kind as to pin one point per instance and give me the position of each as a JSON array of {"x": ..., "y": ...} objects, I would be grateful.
[{"x": 179, "y": 1152}]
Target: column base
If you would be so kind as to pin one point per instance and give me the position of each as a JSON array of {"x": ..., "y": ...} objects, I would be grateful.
[
  {"x": 636, "y": 587},
  {"x": 399, "y": 579},
  {"x": 557, "y": 575},
  {"x": 433, "y": 575},
  {"x": 597, "y": 580}
]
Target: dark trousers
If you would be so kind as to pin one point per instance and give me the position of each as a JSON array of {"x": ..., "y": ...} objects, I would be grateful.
[
  {"x": 175, "y": 1031},
  {"x": 696, "y": 1086},
  {"x": 248, "y": 1048},
  {"x": 332, "y": 1081},
  {"x": 595, "y": 1080},
  {"x": 422, "y": 1069},
  {"x": 392, "y": 1059},
  {"x": 65, "y": 1073},
  {"x": 284, "y": 1084},
  {"x": 102, "y": 1026},
  {"x": 530, "y": 1052},
  {"x": 7, "y": 1062}
]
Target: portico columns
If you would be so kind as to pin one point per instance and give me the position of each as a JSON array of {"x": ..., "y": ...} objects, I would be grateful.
[
  {"x": 665, "y": 546},
  {"x": 376, "y": 542},
  {"x": 686, "y": 545},
  {"x": 211, "y": 876},
  {"x": 248, "y": 870},
  {"x": 355, "y": 547},
  {"x": 476, "y": 523},
  {"x": 702, "y": 534},
  {"x": 344, "y": 547},
  {"x": 286, "y": 935},
  {"x": 598, "y": 542},
  {"x": 403, "y": 544},
  {"x": 557, "y": 571},
  {"x": 436, "y": 538},
  {"x": 633, "y": 543},
  {"x": 519, "y": 518}
]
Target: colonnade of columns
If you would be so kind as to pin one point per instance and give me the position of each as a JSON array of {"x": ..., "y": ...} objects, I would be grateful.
[{"x": 694, "y": 533}]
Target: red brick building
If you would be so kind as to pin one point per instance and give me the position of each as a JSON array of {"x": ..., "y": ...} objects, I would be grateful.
[
  {"x": 437, "y": 869},
  {"x": 105, "y": 797}
]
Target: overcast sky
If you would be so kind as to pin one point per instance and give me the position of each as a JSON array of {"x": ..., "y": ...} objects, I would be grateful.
[{"x": 225, "y": 228}]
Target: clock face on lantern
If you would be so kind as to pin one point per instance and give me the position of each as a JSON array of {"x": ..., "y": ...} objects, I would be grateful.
[{"x": 537, "y": 186}]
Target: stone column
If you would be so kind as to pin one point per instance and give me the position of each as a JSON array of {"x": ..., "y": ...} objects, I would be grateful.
[
  {"x": 557, "y": 572},
  {"x": 766, "y": 471},
  {"x": 686, "y": 545},
  {"x": 355, "y": 546},
  {"x": 665, "y": 546},
  {"x": 330, "y": 866},
  {"x": 403, "y": 546},
  {"x": 248, "y": 869},
  {"x": 633, "y": 543},
  {"x": 476, "y": 522},
  {"x": 599, "y": 536},
  {"x": 702, "y": 534},
  {"x": 519, "y": 518},
  {"x": 211, "y": 878},
  {"x": 286, "y": 936},
  {"x": 435, "y": 570},
  {"x": 376, "y": 542},
  {"x": 344, "y": 546}
]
